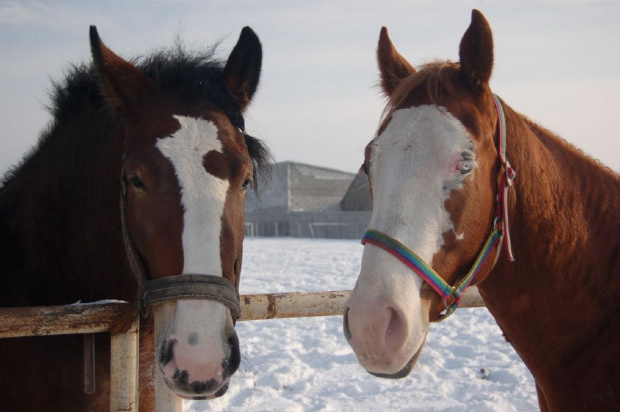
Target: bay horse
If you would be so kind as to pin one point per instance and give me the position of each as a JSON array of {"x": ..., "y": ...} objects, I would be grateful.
[
  {"x": 457, "y": 176},
  {"x": 165, "y": 135}
]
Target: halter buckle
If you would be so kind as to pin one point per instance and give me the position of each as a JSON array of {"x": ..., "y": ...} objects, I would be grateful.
[
  {"x": 497, "y": 224},
  {"x": 449, "y": 311},
  {"x": 510, "y": 173}
]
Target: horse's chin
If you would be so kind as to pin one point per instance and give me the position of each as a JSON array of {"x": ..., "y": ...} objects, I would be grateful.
[
  {"x": 405, "y": 370},
  {"x": 211, "y": 393}
]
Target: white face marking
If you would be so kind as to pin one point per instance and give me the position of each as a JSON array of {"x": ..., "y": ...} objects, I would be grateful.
[
  {"x": 414, "y": 167},
  {"x": 202, "y": 194},
  {"x": 203, "y": 197}
]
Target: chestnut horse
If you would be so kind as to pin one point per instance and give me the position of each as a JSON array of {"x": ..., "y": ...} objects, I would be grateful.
[
  {"x": 440, "y": 169},
  {"x": 166, "y": 135}
]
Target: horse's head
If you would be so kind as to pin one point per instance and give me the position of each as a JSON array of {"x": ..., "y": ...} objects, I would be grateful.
[
  {"x": 433, "y": 174},
  {"x": 187, "y": 165}
]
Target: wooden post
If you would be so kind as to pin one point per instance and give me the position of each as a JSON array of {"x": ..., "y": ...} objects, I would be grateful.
[
  {"x": 165, "y": 399},
  {"x": 124, "y": 369},
  {"x": 89, "y": 364}
]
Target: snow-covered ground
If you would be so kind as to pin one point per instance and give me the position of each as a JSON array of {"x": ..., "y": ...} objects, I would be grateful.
[{"x": 306, "y": 365}]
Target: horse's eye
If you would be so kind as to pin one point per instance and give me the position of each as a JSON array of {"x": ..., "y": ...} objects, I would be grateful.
[
  {"x": 467, "y": 162},
  {"x": 135, "y": 182},
  {"x": 247, "y": 184},
  {"x": 466, "y": 166}
]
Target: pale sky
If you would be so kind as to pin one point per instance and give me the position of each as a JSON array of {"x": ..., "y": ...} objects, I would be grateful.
[{"x": 558, "y": 62}]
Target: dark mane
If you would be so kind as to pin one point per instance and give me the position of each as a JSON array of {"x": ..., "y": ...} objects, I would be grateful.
[
  {"x": 263, "y": 161},
  {"x": 194, "y": 77}
]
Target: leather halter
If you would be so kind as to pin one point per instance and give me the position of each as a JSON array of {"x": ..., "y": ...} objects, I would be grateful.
[
  {"x": 499, "y": 232},
  {"x": 185, "y": 286}
]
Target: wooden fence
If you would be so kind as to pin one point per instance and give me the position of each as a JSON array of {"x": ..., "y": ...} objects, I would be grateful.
[{"x": 103, "y": 316}]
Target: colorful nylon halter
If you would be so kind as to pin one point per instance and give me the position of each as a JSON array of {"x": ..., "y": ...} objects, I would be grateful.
[{"x": 499, "y": 232}]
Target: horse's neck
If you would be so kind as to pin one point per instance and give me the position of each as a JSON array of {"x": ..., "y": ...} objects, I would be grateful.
[
  {"x": 564, "y": 215},
  {"x": 57, "y": 215}
]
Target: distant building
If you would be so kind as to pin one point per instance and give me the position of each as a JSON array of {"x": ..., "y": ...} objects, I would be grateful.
[
  {"x": 302, "y": 200},
  {"x": 357, "y": 197}
]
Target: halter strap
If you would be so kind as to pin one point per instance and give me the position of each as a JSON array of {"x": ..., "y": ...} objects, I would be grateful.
[
  {"x": 422, "y": 269},
  {"x": 499, "y": 232},
  {"x": 177, "y": 287},
  {"x": 506, "y": 179}
]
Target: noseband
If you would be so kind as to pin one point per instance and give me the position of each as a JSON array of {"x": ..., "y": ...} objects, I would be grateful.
[{"x": 499, "y": 232}]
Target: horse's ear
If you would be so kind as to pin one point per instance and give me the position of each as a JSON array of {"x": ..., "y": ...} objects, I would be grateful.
[
  {"x": 242, "y": 70},
  {"x": 392, "y": 65},
  {"x": 476, "y": 52},
  {"x": 122, "y": 84}
]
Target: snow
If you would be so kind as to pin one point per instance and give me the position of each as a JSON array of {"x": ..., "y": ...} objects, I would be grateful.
[{"x": 305, "y": 364}]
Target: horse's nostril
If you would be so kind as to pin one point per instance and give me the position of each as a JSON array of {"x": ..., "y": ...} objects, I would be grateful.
[
  {"x": 167, "y": 353},
  {"x": 345, "y": 325},
  {"x": 235, "y": 355},
  {"x": 181, "y": 378}
]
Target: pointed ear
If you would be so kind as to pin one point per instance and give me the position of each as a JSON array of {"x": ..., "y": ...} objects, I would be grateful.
[
  {"x": 392, "y": 65},
  {"x": 242, "y": 70},
  {"x": 122, "y": 84},
  {"x": 476, "y": 52}
]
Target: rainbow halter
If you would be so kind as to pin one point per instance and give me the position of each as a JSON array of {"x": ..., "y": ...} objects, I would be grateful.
[{"x": 499, "y": 232}]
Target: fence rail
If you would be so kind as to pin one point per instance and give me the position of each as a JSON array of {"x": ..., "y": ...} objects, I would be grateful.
[{"x": 104, "y": 316}]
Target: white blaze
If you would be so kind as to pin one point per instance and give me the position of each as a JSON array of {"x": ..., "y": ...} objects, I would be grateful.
[
  {"x": 203, "y": 197},
  {"x": 202, "y": 194},
  {"x": 413, "y": 173},
  {"x": 414, "y": 165}
]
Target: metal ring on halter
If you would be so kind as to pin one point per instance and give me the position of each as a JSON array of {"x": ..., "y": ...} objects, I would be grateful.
[
  {"x": 444, "y": 315},
  {"x": 449, "y": 311}
]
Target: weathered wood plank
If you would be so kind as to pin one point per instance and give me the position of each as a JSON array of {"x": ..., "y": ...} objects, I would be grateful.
[
  {"x": 59, "y": 320},
  {"x": 292, "y": 304},
  {"x": 93, "y": 318},
  {"x": 165, "y": 399},
  {"x": 308, "y": 304}
]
